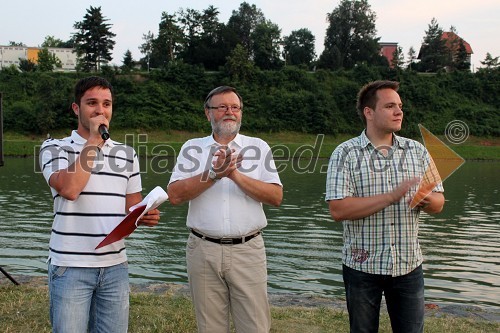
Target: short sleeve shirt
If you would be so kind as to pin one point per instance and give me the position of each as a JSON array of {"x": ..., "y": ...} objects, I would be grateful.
[
  {"x": 224, "y": 210},
  {"x": 80, "y": 225},
  {"x": 386, "y": 242}
]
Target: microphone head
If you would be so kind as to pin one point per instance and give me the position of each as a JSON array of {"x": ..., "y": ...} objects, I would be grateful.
[{"x": 103, "y": 130}]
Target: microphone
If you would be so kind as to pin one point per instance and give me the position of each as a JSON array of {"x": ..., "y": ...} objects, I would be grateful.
[{"x": 103, "y": 130}]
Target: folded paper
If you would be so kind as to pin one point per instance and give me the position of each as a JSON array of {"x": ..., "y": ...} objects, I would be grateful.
[{"x": 155, "y": 198}]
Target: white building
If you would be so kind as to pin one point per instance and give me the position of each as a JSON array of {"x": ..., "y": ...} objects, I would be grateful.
[{"x": 10, "y": 55}]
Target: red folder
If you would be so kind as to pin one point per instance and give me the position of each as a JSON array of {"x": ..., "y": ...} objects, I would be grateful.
[{"x": 125, "y": 228}]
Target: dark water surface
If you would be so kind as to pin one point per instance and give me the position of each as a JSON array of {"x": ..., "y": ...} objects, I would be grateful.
[{"x": 461, "y": 245}]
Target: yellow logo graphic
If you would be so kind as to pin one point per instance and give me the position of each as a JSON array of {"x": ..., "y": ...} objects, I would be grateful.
[{"x": 444, "y": 162}]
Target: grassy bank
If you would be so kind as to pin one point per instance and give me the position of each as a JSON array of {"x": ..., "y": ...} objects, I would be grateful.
[
  {"x": 25, "y": 309},
  {"x": 285, "y": 145}
]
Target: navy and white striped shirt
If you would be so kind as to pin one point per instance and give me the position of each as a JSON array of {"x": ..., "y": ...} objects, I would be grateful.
[{"x": 80, "y": 225}]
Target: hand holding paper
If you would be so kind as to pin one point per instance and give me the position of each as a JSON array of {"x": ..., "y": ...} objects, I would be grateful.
[
  {"x": 155, "y": 198},
  {"x": 423, "y": 191}
]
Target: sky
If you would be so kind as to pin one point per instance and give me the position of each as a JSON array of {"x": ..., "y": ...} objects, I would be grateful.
[{"x": 401, "y": 21}]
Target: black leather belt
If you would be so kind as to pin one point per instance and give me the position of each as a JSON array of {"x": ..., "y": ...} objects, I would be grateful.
[{"x": 226, "y": 241}]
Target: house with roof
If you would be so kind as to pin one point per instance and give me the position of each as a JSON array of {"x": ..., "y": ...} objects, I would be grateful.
[{"x": 452, "y": 43}]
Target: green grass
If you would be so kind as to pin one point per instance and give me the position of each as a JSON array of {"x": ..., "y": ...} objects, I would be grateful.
[
  {"x": 24, "y": 309},
  {"x": 285, "y": 144}
]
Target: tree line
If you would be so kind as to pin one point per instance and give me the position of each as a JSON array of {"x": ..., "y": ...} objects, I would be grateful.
[
  {"x": 290, "y": 99},
  {"x": 250, "y": 40}
]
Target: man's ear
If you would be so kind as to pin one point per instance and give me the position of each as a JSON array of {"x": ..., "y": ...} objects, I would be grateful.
[
  {"x": 207, "y": 114},
  {"x": 76, "y": 108},
  {"x": 368, "y": 112}
]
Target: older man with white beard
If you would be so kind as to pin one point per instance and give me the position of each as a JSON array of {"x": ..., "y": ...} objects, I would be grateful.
[{"x": 226, "y": 177}]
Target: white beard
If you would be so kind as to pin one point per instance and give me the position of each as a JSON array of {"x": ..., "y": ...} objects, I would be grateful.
[{"x": 225, "y": 129}]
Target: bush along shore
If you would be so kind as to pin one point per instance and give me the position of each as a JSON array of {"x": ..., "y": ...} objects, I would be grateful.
[
  {"x": 285, "y": 145},
  {"x": 168, "y": 308}
]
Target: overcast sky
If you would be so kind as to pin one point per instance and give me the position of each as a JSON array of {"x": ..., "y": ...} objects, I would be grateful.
[{"x": 401, "y": 21}]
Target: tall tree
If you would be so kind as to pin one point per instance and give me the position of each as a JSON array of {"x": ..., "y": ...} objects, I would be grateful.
[
  {"x": 266, "y": 45},
  {"x": 398, "y": 58},
  {"x": 128, "y": 61},
  {"x": 51, "y": 41},
  {"x": 190, "y": 22},
  {"x": 169, "y": 43},
  {"x": 351, "y": 37},
  {"x": 490, "y": 62},
  {"x": 93, "y": 41},
  {"x": 461, "y": 59},
  {"x": 412, "y": 56},
  {"x": 433, "y": 53},
  {"x": 242, "y": 23},
  {"x": 212, "y": 44},
  {"x": 146, "y": 48},
  {"x": 298, "y": 48},
  {"x": 47, "y": 61},
  {"x": 238, "y": 64}
]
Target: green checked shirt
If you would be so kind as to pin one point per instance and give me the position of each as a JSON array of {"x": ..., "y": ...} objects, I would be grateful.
[{"x": 386, "y": 242}]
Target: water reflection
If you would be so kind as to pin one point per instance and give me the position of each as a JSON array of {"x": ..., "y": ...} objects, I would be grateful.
[{"x": 460, "y": 246}]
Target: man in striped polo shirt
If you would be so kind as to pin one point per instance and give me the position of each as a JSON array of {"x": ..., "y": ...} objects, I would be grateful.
[
  {"x": 370, "y": 182},
  {"x": 93, "y": 182}
]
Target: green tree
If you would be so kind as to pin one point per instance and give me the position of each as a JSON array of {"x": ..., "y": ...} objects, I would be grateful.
[
  {"x": 146, "y": 48},
  {"x": 266, "y": 45},
  {"x": 212, "y": 46},
  {"x": 47, "y": 61},
  {"x": 241, "y": 25},
  {"x": 351, "y": 37},
  {"x": 51, "y": 41},
  {"x": 238, "y": 64},
  {"x": 27, "y": 65},
  {"x": 11, "y": 43},
  {"x": 412, "y": 56},
  {"x": 299, "y": 48},
  {"x": 433, "y": 54},
  {"x": 461, "y": 60},
  {"x": 128, "y": 62},
  {"x": 490, "y": 63},
  {"x": 168, "y": 44},
  {"x": 189, "y": 21},
  {"x": 93, "y": 41},
  {"x": 398, "y": 58}
]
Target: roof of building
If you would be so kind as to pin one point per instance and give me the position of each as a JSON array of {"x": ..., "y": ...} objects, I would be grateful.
[{"x": 452, "y": 37}]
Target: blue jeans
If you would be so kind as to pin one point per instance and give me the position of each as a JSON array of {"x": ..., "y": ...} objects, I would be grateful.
[
  {"x": 89, "y": 299},
  {"x": 404, "y": 296}
]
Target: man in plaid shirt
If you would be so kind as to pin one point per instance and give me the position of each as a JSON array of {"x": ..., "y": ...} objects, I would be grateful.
[{"x": 370, "y": 182}]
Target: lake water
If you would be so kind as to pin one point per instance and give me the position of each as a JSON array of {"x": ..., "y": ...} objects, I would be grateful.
[{"x": 461, "y": 245}]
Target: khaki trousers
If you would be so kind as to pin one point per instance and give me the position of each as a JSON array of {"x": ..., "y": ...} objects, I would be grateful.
[{"x": 229, "y": 280}]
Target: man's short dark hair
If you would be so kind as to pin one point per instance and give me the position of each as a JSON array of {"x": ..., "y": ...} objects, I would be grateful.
[
  {"x": 367, "y": 96},
  {"x": 221, "y": 90},
  {"x": 88, "y": 83}
]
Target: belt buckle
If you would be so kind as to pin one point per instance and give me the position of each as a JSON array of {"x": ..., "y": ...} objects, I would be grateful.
[{"x": 226, "y": 241}]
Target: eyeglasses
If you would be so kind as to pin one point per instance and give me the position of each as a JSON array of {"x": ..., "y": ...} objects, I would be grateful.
[{"x": 225, "y": 108}]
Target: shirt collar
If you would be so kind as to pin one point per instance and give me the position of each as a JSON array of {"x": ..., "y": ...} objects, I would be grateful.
[
  {"x": 78, "y": 139},
  {"x": 396, "y": 140},
  {"x": 210, "y": 141}
]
